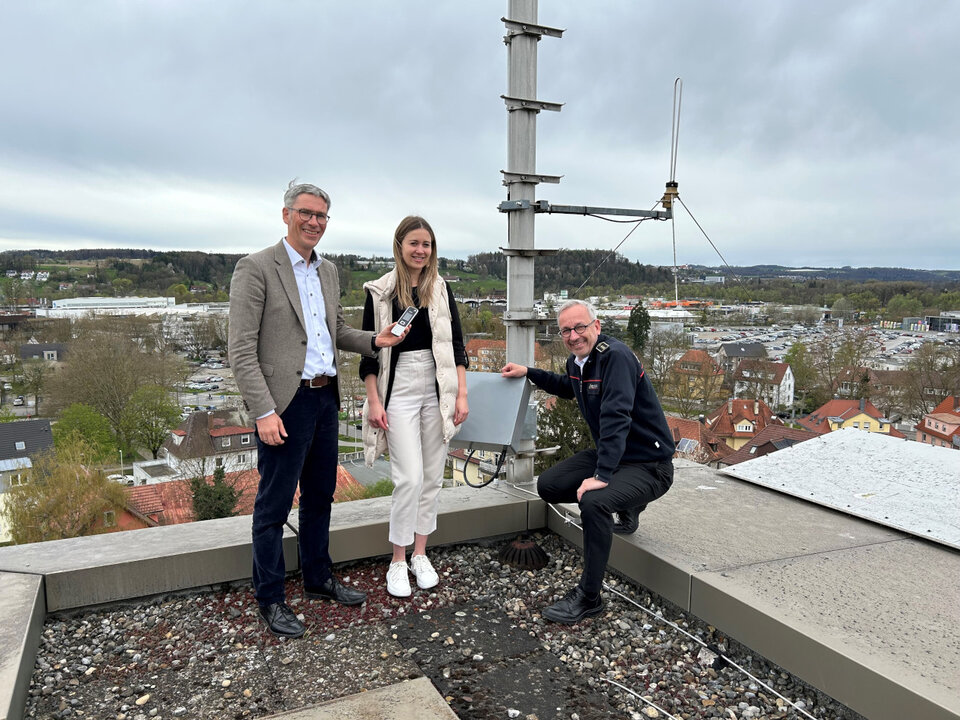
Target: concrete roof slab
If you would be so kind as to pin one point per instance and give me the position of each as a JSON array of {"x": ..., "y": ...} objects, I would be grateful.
[
  {"x": 23, "y": 611},
  {"x": 905, "y": 485}
]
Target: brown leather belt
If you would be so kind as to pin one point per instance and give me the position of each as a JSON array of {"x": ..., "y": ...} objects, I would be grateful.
[{"x": 318, "y": 382}]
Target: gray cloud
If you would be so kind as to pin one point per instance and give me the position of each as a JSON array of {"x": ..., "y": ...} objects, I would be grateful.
[{"x": 812, "y": 133}]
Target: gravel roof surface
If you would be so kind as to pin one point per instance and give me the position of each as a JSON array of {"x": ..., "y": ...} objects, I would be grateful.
[{"x": 478, "y": 636}]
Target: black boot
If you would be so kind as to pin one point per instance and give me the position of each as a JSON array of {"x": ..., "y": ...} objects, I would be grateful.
[
  {"x": 628, "y": 520},
  {"x": 574, "y": 607}
]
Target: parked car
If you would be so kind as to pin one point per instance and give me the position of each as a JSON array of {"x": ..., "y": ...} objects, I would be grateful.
[{"x": 18, "y": 400}]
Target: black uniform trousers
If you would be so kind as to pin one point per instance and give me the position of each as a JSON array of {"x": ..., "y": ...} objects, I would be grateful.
[{"x": 632, "y": 486}]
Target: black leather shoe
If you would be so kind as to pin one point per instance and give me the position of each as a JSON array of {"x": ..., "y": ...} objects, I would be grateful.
[
  {"x": 574, "y": 607},
  {"x": 281, "y": 620},
  {"x": 628, "y": 521},
  {"x": 333, "y": 590}
]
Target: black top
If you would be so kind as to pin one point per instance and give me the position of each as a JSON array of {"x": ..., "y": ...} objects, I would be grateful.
[
  {"x": 618, "y": 402},
  {"x": 420, "y": 337}
]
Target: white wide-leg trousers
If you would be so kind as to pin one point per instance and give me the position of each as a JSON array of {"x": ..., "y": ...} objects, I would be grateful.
[{"x": 417, "y": 450}]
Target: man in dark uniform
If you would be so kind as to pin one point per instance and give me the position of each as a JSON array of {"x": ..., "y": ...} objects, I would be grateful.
[{"x": 632, "y": 464}]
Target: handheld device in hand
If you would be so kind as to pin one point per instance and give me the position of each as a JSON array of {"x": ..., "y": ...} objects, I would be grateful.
[{"x": 408, "y": 315}]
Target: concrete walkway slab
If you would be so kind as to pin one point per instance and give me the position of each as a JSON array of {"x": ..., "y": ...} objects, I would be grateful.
[
  {"x": 22, "y": 612},
  {"x": 867, "y": 614},
  {"x": 411, "y": 700}
]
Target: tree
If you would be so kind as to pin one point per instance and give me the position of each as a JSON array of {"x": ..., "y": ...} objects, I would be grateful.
[
  {"x": 149, "y": 416},
  {"x": 925, "y": 381},
  {"x": 64, "y": 497},
  {"x": 108, "y": 362},
  {"x": 35, "y": 374},
  {"x": 559, "y": 423},
  {"x": 694, "y": 387},
  {"x": 212, "y": 500},
  {"x": 663, "y": 348},
  {"x": 79, "y": 420},
  {"x": 638, "y": 328},
  {"x": 611, "y": 327},
  {"x": 902, "y": 306},
  {"x": 799, "y": 359}
]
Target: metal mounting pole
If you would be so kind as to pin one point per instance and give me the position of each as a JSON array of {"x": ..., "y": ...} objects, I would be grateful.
[{"x": 521, "y": 179}]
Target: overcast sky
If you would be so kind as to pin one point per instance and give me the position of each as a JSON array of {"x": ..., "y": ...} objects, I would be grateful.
[{"x": 813, "y": 133}]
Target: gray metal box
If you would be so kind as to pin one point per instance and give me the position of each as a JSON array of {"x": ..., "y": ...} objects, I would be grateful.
[{"x": 502, "y": 413}]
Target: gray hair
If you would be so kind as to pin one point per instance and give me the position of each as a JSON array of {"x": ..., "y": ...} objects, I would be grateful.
[
  {"x": 582, "y": 303},
  {"x": 295, "y": 190}
]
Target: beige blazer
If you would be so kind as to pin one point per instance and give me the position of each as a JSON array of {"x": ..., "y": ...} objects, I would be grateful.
[{"x": 268, "y": 339}]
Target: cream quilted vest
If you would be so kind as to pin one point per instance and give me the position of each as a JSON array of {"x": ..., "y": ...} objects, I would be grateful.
[{"x": 381, "y": 290}]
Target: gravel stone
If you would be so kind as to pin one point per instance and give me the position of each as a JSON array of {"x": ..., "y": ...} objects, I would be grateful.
[{"x": 479, "y": 636}]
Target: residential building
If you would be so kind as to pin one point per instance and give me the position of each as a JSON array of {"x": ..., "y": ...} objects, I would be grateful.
[
  {"x": 476, "y": 466},
  {"x": 696, "y": 382},
  {"x": 695, "y": 441},
  {"x": 769, "y": 440},
  {"x": 52, "y": 352},
  {"x": 738, "y": 421},
  {"x": 849, "y": 413},
  {"x": 769, "y": 381},
  {"x": 491, "y": 355},
  {"x": 731, "y": 354},
  {"x": 171, "y": 503},
  {"x": 20, "y": 442},
  {"x": 941, "y": 426},
  {"x": 209, "y": 440}
]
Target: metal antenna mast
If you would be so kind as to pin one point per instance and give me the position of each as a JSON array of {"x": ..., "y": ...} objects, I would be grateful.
[
  {"x": 521, "y": 179},
  {"x": 521, "y": 206}
]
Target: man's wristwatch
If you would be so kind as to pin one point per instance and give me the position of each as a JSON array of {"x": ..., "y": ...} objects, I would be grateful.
[{"x": 373, "y": 344}]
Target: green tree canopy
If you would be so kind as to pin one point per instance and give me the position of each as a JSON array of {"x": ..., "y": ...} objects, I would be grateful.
[
  {"x": 559, "y": 423},
  {"x": 149, "y": 416},
  {"x": 638, "y": 328},
  {"x": 65, "y": 496},
  {"x": 216, "y": 499},
  {"x": 901, "y": 306},
  {"x": 79, "y": 420}
]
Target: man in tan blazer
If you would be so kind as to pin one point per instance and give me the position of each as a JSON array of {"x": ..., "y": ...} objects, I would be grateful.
[{"x": 285, "y": 326}]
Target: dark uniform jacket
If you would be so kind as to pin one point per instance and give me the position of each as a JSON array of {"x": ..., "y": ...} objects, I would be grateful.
[{"x": 617, "y": 401}]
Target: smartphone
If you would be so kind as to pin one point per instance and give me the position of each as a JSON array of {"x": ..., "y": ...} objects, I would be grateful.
[{"x": 408, "y": 315}]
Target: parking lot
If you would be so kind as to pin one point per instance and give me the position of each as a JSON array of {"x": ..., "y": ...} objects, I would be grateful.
[
  {"x": 210, "y": 387},
  {"x": 888, "y": 349}
]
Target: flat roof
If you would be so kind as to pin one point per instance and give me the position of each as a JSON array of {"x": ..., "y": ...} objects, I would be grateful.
[{"x": 903, "y": 484}]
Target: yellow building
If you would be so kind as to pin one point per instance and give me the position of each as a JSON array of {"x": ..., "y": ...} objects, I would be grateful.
[{"x": 857, "y": 414}]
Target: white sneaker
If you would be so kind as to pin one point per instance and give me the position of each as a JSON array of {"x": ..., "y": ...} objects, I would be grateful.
[
  {"x": 426, "y": 576},
  {"x": 398, "y": 582}
]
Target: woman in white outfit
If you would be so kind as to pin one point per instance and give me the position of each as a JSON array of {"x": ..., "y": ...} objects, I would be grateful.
[{"x": 416, "y": 395}]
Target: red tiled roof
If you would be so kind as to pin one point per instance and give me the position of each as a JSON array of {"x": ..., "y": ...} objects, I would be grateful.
[
  {"x": 231, "y": 430},
  {"x": 840, "y": 408},
  {"x": 699, "y": 357},
  {"x": 763, "y": 443},
  {"x": 712, "y": 446},
  {"x": 950, "y": 405},
  {"x": 145, "y": 499},
  {"x": 172, "y": 502},
  {"x": 723, "y": 421}
]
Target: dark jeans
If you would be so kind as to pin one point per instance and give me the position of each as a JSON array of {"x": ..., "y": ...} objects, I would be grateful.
[
  {"x": 631, "y": 486},
  {"x": 308, "y": 456}
]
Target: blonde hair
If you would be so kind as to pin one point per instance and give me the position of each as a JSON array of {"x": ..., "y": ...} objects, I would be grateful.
[{"x": 429, "y": 274}]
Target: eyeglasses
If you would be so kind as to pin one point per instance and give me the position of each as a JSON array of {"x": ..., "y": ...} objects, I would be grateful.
[
  {"x": 305, "y": 215},
  {"x": 579, "y": 329}
]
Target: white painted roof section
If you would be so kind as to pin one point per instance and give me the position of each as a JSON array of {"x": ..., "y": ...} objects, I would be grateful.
[
  {"x": 12, "y": 464},
  {"x": 906, "y": 485}
]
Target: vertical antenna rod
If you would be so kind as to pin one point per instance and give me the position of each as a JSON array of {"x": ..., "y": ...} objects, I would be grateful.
[{"x": 521, "y": 179}]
